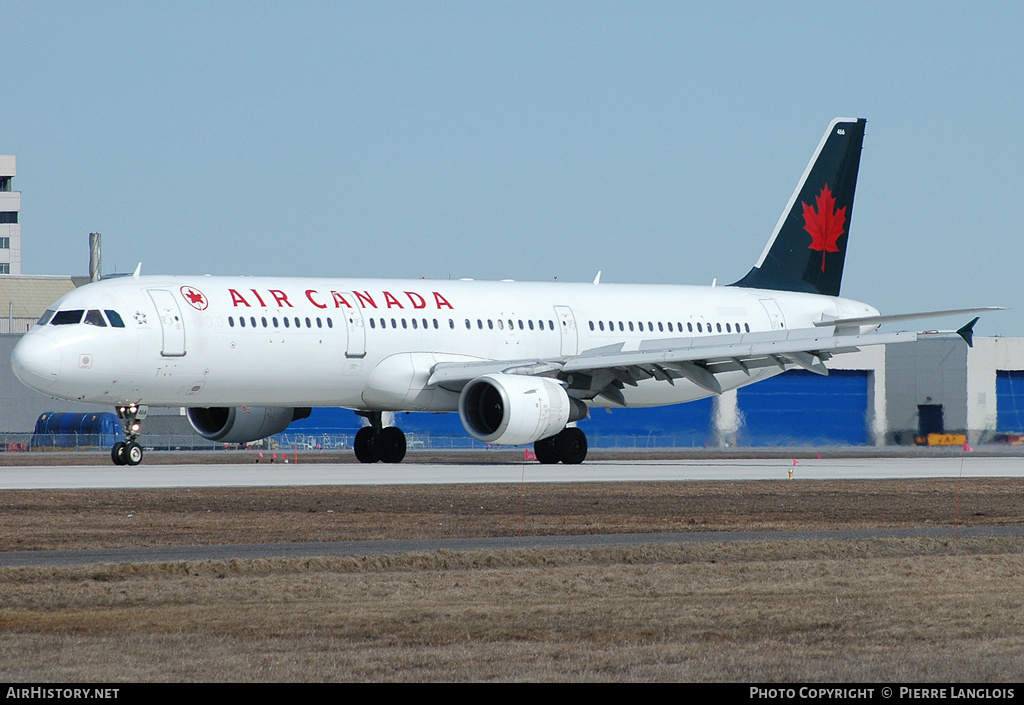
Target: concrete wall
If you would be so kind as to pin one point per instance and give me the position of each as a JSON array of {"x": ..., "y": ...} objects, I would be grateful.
[
  {"x": 927, "y": 372},
  {"x": 988, "y": 356}
]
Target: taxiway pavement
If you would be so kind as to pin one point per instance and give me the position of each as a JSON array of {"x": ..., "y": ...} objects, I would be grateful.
[{"x": 286, "y": 474}]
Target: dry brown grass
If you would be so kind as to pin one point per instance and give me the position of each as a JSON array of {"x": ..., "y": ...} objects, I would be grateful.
[
  {"x": 885, "y": 610},
  {"x": 897, "y": 611},
  {"x": 50, "y": 519}
]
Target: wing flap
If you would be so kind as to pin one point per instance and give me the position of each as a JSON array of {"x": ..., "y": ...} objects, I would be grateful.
[
  {"x": 679, "y": 357},
  {"x": 791, "y": 346}
]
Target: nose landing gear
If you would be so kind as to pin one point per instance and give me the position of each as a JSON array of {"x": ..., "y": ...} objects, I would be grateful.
[{"x": 129, "y": 452}]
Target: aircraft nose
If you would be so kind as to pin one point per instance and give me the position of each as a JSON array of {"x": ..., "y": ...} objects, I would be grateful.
[{"x": 36, "y": 361}]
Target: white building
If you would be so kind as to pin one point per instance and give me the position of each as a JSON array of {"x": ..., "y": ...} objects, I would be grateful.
[{"x": 10, "y": 229}]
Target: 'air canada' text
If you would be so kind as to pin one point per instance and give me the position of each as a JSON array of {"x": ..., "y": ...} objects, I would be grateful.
[{"x": 338, "y": 299}]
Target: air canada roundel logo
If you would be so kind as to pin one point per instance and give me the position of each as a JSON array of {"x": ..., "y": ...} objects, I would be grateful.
[{"x": 196, "y": 299}]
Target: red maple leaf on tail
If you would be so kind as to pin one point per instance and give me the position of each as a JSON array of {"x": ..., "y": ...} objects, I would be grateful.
[{"x": 824, "y": 224}]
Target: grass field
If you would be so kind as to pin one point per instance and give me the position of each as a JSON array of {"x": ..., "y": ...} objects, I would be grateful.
[{"x": 921, "y": 610}]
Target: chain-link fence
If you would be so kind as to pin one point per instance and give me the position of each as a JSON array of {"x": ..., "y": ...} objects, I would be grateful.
[
  {"x": 41, "y": 442},
  {"x": 323, "y": 441}
]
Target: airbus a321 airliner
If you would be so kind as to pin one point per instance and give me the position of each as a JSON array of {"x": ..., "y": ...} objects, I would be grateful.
[{"x": 520, "y": 362}]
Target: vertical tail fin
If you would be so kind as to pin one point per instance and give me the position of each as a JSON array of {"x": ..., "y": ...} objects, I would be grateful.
[{"x": 808, "y": 247}]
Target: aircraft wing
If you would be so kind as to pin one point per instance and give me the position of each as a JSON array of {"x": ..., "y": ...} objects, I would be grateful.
[
  {"x": 842, "y": 325},
  {"x": 605, "y": 371}
]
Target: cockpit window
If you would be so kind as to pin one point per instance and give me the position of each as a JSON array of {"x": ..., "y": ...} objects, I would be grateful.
[
  {"x": 115, "y": 318},
  {"x": 67, "y": 318},
  {"x": 46, "y": 317},
  {"x": 95, "y": 318}
]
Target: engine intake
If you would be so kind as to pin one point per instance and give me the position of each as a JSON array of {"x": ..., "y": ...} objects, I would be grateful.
[
  {"x": 243, "y": 424},
  {"x": 516, "y": 409}
]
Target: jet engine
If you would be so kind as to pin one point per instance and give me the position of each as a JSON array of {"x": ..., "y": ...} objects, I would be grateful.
[
  {"x": 516, "y": 409},
  {"x": 243, "y": 424}
]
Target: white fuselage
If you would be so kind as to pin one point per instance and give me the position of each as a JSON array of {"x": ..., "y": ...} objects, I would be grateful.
[{"x": 202, "y": 341}]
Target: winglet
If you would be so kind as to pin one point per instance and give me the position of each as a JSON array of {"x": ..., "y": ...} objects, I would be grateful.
[
  {"x": 138, "y": 270},
  {"x": 967, "y": 332}
]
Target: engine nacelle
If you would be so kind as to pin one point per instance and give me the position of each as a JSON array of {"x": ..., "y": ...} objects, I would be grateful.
[
  {"x": 243, "y": 424},
  {"x": 516, "y": 409}
]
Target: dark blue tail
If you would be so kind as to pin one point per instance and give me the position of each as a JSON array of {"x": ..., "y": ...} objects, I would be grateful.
[{"x": 807, "y": 250}]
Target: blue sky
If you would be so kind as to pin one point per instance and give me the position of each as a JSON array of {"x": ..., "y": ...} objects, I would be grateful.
[{"x": 657, "y": 142}]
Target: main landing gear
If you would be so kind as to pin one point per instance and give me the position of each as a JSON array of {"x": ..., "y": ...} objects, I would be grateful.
[
  {"x": 129, "y": 452},
  {"x": 568, "y": 446},
  {"x": 378, "y": 443}
]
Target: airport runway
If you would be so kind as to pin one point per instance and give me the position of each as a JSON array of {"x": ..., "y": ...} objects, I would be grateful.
[{"x": 279, "y": 474}]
